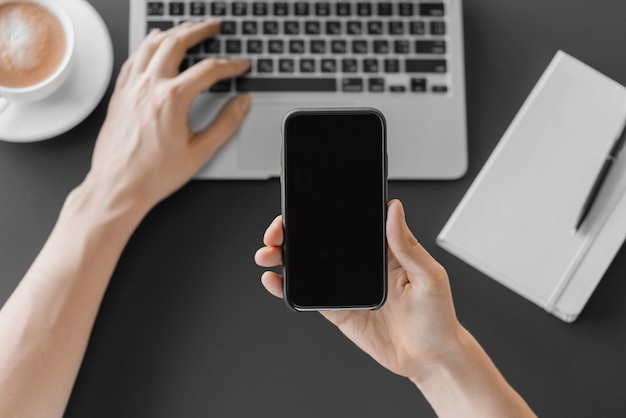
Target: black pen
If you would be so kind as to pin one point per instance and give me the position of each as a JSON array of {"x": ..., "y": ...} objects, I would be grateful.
[{"x": 606, "y": 167}]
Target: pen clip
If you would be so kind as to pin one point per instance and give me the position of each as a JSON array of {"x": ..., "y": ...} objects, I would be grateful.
[
  {"x": 619, "y": 142},
  {"x": 602, "y": 176}
]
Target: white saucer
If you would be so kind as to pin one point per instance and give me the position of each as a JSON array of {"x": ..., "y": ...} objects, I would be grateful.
[{"x": 81, "y": 93}]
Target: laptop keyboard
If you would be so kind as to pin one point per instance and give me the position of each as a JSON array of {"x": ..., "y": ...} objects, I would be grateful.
[{"x": 322, "y": 46}]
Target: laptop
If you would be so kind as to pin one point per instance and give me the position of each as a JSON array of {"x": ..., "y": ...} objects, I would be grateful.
[{"x": 404, "y": 58}]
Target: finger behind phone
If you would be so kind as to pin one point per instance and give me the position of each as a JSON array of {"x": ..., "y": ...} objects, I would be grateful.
[
  {"x": 273, "y": 283},
  {"x": 274, "y": 236},
  {"x": 268, "y": 257}
]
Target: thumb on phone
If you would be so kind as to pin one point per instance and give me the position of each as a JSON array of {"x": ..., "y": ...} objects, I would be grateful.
[{"x": 420, "y": 266}]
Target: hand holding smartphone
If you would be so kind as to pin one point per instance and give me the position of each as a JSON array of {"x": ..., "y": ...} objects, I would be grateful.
[{"x": 334, "y": 197}]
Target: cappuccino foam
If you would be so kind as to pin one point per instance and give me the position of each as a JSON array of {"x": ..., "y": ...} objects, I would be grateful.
[{"x": 32, "y": 43}]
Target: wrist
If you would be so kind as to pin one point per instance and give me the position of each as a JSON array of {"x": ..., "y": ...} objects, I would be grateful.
[
  {"x": 92, "y": 204},
  {"x": 465, "y": 382},
  {"x": 458, "y": 351}
]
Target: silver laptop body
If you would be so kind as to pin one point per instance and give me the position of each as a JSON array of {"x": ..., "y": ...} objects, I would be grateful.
[{"x": 404, "y": 58}]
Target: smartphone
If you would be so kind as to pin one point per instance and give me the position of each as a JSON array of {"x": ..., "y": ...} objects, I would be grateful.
[{"x": 334, "y": 205}]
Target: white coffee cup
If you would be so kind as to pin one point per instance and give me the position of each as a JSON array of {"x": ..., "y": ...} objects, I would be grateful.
[{"x": 52, "y": 82}]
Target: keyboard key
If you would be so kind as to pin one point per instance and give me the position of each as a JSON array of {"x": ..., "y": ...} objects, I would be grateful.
[
  {"x": 439, "y": 89},
  {"x": 160, "y": 24},
  {"x": 254, "y": 46},
  {"x": 239, "y": 8},
  {"x": 425, "y": 66},
  {"x": 370, "y": 65},
  {"x": 438, "y": 27},
  {"x": 286, "y": 65},
  {"x": 354, "y": 28},
  {"x": 359, "y": 46},
  {"x": 381, "y": 46},
  {"x": 197, "y": 8},
  {"x": 222, "y": 86},
  {"x": 291, "y": 27},
  {"x": 307, "y": 65},
  {"x": 296, "y": 46},
  {"x": 375, "y": 27},
  {"x": 405, "y": 9},
  {"x": 333, "y": 27},
  {"x": 364, "y": 9},
  {"x": 228, "y": 27},
  {"x": 218, "y": 8},
  {"x": 212, "y": 46},
  {"x": 195, "y": 50},
  {"x": 276, "y": 46},
  {"x": 312, "y": 27},
  {"x": 249, "y": 27},
  {"x": 259, "y": 8},
  {"x": 430, "y": 47},
  {"x": 281, "y": 9},
  {"x": 349, "y": 65},
  {"x": 384, "y": 9},
  {"x": 338, "y": 46},
  {"x": 177, "y": 8},
  {"x": 294, "y": 84},
  {"x": 301, "y": 9},
  {"x": 344, "y": 9},
  {"x": 322, "y": 9},
  {"x": 233, "y": 46},
  {"x": 328, "y": 65},
  {"x": 352, "y": 85},
  {"x": 397, "y": 88},
  {"x": 270, "y": 27},
  {"x": 401, "y": 46},
  {"x": 417, "y": 27},
  {"x": 392, "y": 65},
  {"x": 396, "y": 27},
  {"x": 317, "y": 46},
  {"x": 376, "y": 84},
  {"x": 418, "y": 85},
  {"x": 154, "y": 8},
  {"x": 265, "y": 65},
  {"x": 432, "y": 9}
]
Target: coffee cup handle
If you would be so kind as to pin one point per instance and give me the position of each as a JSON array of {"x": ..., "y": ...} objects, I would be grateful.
[{"x": 4, "y": 103}]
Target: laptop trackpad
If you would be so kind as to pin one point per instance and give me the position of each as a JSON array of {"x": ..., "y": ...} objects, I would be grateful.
[{"x": 260, "y": 137}]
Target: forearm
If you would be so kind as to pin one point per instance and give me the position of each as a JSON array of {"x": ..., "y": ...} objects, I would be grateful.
[
  {"x": 468, "y": 384},
  {"x": 46, "y": 323}
]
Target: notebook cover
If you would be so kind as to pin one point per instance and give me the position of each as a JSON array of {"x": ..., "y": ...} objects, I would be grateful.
[{"x": 516, "y": 223}]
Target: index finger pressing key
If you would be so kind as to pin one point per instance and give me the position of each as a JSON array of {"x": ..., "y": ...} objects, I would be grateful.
[{"x": 176, "y": 42}]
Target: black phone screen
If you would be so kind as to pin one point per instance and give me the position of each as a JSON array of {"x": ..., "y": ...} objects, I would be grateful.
[{"x": 334, "y": 186}]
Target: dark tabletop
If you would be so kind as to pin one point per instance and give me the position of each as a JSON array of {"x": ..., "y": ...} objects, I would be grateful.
[{"x": 187, "y": 330}]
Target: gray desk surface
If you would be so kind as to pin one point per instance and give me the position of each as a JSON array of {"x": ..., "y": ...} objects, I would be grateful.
[{"x": 186, "y": 329}]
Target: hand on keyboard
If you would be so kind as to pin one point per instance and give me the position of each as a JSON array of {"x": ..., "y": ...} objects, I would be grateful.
[{"x": 145, "y": 149}]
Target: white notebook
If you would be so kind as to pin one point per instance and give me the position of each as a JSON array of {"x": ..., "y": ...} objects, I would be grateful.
[{"x": 516, "y": 223}]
